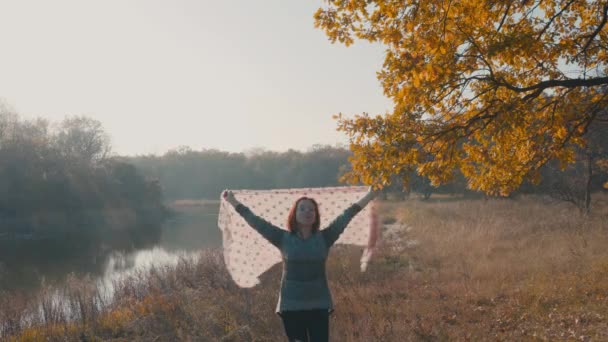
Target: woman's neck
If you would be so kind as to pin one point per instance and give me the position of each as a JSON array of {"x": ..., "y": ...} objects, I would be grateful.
[{"x": 305, "y": 232}]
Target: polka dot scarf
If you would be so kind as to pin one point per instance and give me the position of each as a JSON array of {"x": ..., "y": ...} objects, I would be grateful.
[{"x": 247, "y": 254}]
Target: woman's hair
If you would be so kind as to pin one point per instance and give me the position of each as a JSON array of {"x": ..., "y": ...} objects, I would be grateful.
[{"x": 292, "y": 224}]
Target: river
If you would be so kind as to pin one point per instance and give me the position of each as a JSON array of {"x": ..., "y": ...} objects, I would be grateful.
[{"x": 26, "y": 264}]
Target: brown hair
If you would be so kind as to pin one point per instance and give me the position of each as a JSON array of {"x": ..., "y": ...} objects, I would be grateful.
[{"x": 292, "y": 224}]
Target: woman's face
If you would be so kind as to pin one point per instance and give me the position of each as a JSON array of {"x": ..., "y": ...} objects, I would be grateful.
[{"x": 305, "y": 213}]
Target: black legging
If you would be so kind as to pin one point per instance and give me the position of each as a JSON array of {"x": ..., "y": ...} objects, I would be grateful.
[{"x": 306, "y": 325}]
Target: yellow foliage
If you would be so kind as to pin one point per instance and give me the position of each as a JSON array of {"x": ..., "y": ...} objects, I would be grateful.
[
  {"x": 603, "y": 164},
  {"x": 115, "y": 320},
  {"x": 477, "y": 86},
  {"x": 44, "y": 333}
]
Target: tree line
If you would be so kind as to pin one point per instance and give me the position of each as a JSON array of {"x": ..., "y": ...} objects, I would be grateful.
[
  {"x": 187, "y": 173},
  {"x": 60, "y": 179}
]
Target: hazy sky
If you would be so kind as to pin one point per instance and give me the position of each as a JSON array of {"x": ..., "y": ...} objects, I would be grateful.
[{"x": 223, "y": 74}]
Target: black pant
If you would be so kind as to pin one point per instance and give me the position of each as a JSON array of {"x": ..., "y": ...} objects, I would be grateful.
[{"x": 306, "y": 325}]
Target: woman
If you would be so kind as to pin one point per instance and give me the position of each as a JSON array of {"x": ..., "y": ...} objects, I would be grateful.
[{"x": 305, "y": 300}]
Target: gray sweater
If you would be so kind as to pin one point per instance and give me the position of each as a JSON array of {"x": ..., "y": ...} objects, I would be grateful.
[{"x": 304, "y": 283}]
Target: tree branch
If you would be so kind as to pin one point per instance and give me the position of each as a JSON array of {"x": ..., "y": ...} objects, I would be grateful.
[
  {"x": 553, "y": 18},
  {"x": 504, "y": 17},
  {"x": 598, "y": 29},
  {"x": 570, "y": 83},
  {"x": 445, "y": 17}
]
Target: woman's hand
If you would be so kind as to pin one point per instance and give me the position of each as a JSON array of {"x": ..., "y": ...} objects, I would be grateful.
[
  {"x": 229, "y": 197},
  {"x": 370, "y": 195}
]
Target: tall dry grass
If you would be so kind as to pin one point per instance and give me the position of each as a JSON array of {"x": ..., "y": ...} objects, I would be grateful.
[{"x": 525, "y": 269}]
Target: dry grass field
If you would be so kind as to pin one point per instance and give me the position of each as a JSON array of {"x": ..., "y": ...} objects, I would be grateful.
[{"x": 528, "y": 269}]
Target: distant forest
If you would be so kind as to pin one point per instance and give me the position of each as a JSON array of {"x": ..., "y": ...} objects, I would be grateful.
[
  {"x": 186, "y": 173},
  {"x": 59, "y": 179},
  {"x": 63, "y": 178}
]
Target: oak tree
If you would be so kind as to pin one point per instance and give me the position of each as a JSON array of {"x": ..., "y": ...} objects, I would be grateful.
[{"x": 493, "y": 88}]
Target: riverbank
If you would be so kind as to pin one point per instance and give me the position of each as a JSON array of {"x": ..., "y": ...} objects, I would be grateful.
[{"x": 525, "y": 269}]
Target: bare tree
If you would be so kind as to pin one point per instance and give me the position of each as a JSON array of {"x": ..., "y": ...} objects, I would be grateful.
[{"x": 82, "y": 139}]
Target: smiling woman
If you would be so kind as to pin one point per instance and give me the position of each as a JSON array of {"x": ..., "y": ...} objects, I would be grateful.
[
  {"x": 304, "y": 217},
  {"x": 305, "y": 301}
]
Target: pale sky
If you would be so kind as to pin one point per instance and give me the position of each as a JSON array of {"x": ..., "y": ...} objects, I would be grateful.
[{"x": 225, "y": 74}]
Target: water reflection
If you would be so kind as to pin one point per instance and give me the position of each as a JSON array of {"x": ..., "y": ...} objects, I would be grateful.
[
  {"x": 24, "y": 264},
  {"x": 121, "y": 266}
]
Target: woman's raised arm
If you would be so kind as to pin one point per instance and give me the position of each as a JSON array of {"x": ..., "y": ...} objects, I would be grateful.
[
  {"x": 272, "y": 233},
  {"x": 337, "y": 226}
]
